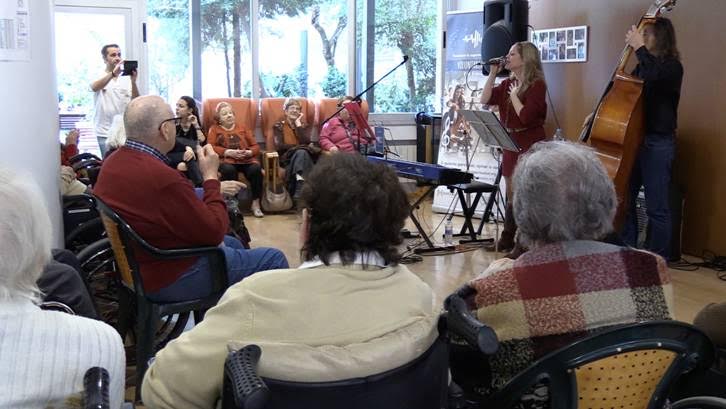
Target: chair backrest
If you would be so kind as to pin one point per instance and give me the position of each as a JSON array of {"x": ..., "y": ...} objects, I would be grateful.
[
  {"x": 120, "y": 235},
  {"x": 271, "y": 113},
  {"x": 632, "y": 365},
  {"x": 420, "y": 384},
  {"x": 245, "y": 112},
  {"x": 125, "y": 242},
  {"x": 328, "y": 106}
]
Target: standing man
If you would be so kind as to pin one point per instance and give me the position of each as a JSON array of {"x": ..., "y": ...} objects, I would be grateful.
[{"x": 112, "y": 92}]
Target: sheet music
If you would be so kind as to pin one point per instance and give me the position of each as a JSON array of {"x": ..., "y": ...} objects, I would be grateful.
[{"x": 487, "y": 126}]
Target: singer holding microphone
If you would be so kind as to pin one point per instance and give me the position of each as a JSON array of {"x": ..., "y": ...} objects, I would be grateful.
[{"x": 522, "y": 110}]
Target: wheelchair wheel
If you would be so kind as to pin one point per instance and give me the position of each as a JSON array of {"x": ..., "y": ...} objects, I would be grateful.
[
  {"x": 84, "y": 234},
  {"x": 102, "y": 278}
]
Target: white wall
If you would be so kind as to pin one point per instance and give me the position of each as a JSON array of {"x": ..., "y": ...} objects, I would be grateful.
[{"x": 28, "y": 103}]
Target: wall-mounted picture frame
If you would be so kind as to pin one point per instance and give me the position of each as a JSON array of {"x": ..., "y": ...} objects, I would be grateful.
[{"x": 562, "y": 44}]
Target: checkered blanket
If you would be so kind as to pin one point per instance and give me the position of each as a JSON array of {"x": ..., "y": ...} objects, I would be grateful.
[{"x": 555, "y": 294}]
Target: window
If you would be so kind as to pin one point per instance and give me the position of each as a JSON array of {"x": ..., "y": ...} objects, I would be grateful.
[
  {"x": 305, "y": 48},
  {"x": 79, "y": 35},
  {"x": 168, "y": 33},
  {"x": 388, "y": 30},
  {"x": 226, "y": 52}
]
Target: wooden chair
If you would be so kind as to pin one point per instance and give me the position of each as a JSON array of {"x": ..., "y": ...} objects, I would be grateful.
[
  {"x": 632, "y": 366},
  {"x": 125, "y": 242}
]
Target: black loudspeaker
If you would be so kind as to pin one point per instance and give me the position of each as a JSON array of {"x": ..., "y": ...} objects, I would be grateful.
[
  {"x": 505, "y": 23},
  {"x": 428, "y": 137}
]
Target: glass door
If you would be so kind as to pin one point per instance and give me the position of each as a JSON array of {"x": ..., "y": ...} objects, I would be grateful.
[{"x": 81, "y": 30}]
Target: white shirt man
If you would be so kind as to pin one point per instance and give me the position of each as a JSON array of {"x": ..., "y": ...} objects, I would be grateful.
[{"x": 112, "y": 92}]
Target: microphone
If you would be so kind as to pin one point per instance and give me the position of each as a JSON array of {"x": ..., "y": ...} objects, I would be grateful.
[
  {"x": 405, "y": 58},
  {"x": 496, "y": 60}
]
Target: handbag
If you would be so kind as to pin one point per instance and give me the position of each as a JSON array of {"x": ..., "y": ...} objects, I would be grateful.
[{"x": 275, "y": 197}]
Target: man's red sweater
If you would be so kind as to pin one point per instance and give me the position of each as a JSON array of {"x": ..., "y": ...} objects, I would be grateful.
[{"x": 159, "y": 203}]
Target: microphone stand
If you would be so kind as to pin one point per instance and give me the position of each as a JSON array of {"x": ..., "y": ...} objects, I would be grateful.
[{"x": 357, "y": 97}]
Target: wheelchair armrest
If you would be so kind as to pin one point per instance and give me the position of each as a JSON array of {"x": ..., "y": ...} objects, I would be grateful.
[
  {"x": 215, "y": 255},
  {"x": 242, "y": 388},
  {"x": 82, "y": 157},
  {"x": 86, "y": 164},
  {"x": 82, "y": 200},
  {"x": 95, "y": 389},
  {"x": 460, "y": 321},
  {"x": 56, "y": 306}
]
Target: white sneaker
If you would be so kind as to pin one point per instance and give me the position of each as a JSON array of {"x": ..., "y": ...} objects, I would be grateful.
[{"x": 257, "y": 212}]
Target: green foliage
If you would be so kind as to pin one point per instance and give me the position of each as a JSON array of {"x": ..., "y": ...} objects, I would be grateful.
[
  {"x": 217, "y": 16},
  {"x": 407, "y": 26},
  {"x": 168, "y": 31},
  {"x": 73, "y": 89},
  {"x": 410, "y": 27},
  {"x": 334, "y": 83}
]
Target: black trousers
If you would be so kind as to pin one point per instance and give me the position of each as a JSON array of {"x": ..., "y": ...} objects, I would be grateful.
[{"x": 252, "y": 171}]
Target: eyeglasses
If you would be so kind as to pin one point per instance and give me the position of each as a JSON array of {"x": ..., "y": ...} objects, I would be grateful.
[{"x": 177, "y": 121}]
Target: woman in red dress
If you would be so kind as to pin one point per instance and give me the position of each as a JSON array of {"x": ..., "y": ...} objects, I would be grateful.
[{"x": 522, "y": 109}]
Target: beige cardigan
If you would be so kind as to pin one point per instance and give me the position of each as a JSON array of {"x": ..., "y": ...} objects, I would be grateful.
[{"x": 323, "y": 323}]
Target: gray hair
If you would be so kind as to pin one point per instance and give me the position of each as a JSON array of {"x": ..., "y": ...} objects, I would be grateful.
[
  {"x": 25, "y": 236},
  {"x": 562, "y": 192},
  {"x": 143, "y": 116}
]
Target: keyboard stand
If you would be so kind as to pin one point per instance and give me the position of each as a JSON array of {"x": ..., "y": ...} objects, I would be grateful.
[{"x": 431, "y": 248}]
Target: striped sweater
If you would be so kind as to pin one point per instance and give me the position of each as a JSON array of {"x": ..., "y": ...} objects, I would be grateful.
[
  {"x": 44, "y": 355},
  {"x": 555, "y": 294}
]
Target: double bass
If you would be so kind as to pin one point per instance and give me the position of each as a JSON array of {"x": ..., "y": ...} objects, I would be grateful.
[{"x": 617, "y": 128}]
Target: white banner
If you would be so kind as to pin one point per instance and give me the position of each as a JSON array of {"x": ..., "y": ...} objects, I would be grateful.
[{"x": 459, "y": 149}]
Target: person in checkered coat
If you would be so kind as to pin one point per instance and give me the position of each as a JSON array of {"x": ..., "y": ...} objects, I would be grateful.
[{"x": 569, "y": 284}]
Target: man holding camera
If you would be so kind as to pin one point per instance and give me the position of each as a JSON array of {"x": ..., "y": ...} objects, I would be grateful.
[{"x": 112, "y": 92}]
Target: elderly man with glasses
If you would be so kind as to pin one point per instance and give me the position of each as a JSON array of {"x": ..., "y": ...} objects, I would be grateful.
[{"x": 161, "y": 205}]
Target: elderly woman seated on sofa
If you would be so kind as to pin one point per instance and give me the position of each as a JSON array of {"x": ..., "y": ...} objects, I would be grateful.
[
  {"x": 568, "y": 284},
  {"x": 291, "y": 140},
  {"x": 348, "y": 302},
  {"x": 340, "y": 134}
]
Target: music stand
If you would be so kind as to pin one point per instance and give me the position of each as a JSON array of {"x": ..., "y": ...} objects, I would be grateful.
[
  {"x": 487, "y": 126},
  {"x": 489, "y": 129},
  {"x": 364, "y": 129}
]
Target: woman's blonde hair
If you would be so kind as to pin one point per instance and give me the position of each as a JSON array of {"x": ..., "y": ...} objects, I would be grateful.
[{"x": 532, "y": 71}]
